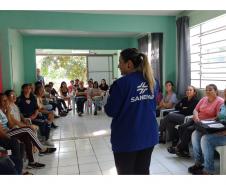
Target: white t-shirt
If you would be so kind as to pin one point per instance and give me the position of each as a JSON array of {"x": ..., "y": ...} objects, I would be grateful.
[{"x": 15, "y": 112}]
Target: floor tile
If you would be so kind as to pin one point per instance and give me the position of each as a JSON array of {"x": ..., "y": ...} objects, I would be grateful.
[
  {"x": 86, "y": 159},
  {"x": 47, "y": 171},
  {"x": 68, "y": 170},
  {"x": 90, "y": 167}
]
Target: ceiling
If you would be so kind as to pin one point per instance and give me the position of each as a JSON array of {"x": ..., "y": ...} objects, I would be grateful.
[
  {"x": 127, "y": 12},
  {"x": 75, "y": 33}
]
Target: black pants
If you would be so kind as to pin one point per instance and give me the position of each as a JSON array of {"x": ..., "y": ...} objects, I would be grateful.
[
  {"x": 57, "y": 105},
  {"x": 185, "y": 132},
  {"x": 61, "y": 101},
  {"x": 168, "y": 124},
  {"x": 26, "y": 136},
  {"x": 133, "y": 163},
  {"x": 80, "y": 103},
  {"x": 7, "y": 167},
  {"x": 17, "y": 152},
  {"x": 44, "y": 127}
]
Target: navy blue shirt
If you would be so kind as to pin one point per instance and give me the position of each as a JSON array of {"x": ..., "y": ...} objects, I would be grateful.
[
  {"x": 132, "y": 107},
  {"x": 27, "y": 106}
]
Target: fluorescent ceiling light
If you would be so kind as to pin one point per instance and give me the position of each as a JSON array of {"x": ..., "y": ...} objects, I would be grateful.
[{"x": 80, "y": 51}]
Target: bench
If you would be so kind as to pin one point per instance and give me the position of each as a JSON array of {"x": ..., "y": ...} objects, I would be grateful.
[{"x": 222, "y": 152}]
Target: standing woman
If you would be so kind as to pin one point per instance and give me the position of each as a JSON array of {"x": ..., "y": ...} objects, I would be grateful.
[{"x": 132, "y": 105}]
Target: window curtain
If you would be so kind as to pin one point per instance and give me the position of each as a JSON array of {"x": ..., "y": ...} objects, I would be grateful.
[
  {"x": 143, "y": 44},
  {"x": 156, "y": 56},
  {"x": 183, "y": 51}
]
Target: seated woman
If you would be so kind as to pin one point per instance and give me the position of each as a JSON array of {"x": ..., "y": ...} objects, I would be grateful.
[
  {"x": 16, "y": 153},
  {"x": 103, "y": 85},
  {"x": 64, "y": 94},
  {"x": 55, "y": 94},
  {"x": 54, "y": 101},
  {"x": 81, "y": 97},
  {"x": 24, "y": 134},
  {"x": 97, "y": 97},
  {"x": 169, "y": 100},
  {"x": 39, "y": 92},
  {"x": 204, "y": 146},
  {"x": 207, "y": 109},
  {"x": 14, "y": 115},
  {"x": 27, "y": 104},
  {"x": 71, "y": 87},
  {"x": 184, "y": 107}
]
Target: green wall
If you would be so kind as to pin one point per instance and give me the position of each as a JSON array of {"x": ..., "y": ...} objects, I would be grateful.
[
  {"x": 16, "y": 59},
  {"x": 32, "y": 43},
  {"x": 38, "y": 20}
]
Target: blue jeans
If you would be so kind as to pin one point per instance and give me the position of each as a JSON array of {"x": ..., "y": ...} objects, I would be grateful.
[{"x": 203, "y": 148}]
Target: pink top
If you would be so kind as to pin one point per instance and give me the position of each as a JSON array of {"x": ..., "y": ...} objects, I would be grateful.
[{"x": 208, "y": 110}]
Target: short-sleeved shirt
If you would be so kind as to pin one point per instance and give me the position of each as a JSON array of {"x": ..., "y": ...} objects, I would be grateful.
[
  {"x": 96, "y": 91},
  {"x": 41, "y": 79},
  {"x": 81, "y": 90},
  {"x": 222, "y": 113},
  {"x": 14, "y": 110},
  {"x": 54, "y": 92},
  {"x": 27, "y": 106},
  {"x": 103, "y": 87},
  {"x": 170, "y": 99},
  {"x": 208, "y": 110},
  {"x": 3, "y": 119}
]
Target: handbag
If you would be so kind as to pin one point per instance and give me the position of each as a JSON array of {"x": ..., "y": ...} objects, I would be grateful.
[{"x": 209, "y": 127}]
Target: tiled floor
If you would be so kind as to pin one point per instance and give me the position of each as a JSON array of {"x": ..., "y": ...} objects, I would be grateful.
[{"x": 83, "y": 148}]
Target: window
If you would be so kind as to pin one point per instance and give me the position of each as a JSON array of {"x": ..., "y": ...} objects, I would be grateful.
[{"x": 208, "y": 53}]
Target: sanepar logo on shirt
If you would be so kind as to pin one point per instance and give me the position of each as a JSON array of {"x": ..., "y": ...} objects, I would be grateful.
[{"x": 142, "y": 88}]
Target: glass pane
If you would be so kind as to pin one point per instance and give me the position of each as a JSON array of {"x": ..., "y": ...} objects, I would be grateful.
[
  {"x": 195, "y": 75},
  {"x": 219, "y": 57},
  {"x": 221, "y": 85},
  {"x": 195, "y": 30},
  {"x": 195, "y": 83},
  {"x": 195, "y": 49},
  {"x": 194, "y": 40},
  {"x": 214, "y": 23},
  {"x": 218, "y": 76},
  {"x": 195, "y": 66},
  {"x": 219, "y": 46},
  {"x": 217, "y": 36},
  {"x": 195, "y": 58}
]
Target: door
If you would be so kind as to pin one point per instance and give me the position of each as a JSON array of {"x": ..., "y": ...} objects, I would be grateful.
[{"x": 100, "y": 67}]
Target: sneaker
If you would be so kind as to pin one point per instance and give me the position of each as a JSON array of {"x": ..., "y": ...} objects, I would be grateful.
[
  {"x": 48, "y": 151},
  {"x": 69, "y": 109},
  {"x": 194, "y": 168},
  {"x": 172, "y": 150},
  {"x": 183, "y": 154},
  {"x": 62, "y": 114},
  {"x": 54, "y": 126},
  {"x": 55, "y": 116},
  {"x": 95, "y": 113},
  {"x": 48, "y": 143},
  {"x": 35, "y": 165},
  {"x": 79, "y": 114},
  {"x": 201, "y": 172}
]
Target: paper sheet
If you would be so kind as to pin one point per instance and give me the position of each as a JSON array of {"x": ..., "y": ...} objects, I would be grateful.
[
  {"x": 208, "y": 121},
  {"x": 216, "y": 125}
]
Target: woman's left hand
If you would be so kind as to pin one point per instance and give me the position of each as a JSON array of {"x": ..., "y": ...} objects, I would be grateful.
[{"x": 222, "y": 133}]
